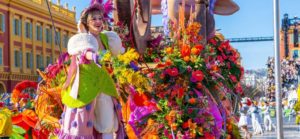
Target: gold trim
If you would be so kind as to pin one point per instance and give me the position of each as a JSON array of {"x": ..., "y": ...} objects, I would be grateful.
[{"x": 4, "y": 87}]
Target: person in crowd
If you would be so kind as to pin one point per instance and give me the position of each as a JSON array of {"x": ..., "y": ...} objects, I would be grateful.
[
  {"x": 267, "y": 118},
  {"x": 255, "y": 118},
  {"x": 243, "y": 122}
]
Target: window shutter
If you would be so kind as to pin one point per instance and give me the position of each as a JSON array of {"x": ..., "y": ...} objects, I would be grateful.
[
  {"x": 21, "y": 59},
  {"x": 31, "y": 60},
  {"x": 14, "y": 26},
  {"x": 3, "y": 23},
  {"x": 37, "y": 32},
  {"x": 20, "y": 27},
  {"x": 30, "y": 30}
]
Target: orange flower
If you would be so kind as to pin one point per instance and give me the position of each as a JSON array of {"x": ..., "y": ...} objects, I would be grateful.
[
  {"x": 195, "y": 51},
  {"x": 192, "y": 125},
  {"x": 185, "y": 51},
  {"x": 192, "y": 134},
  {"x": 192, "y": 100},
  {"x": 174, "y": 126},
  {"x": 214, "y": 68},
  {"x": 171, "y": 117},
  {"x": 169, "y": 50},
  {"x": 186, "y": 58},
  {"x": 168, "y": 62},
  {"x": 200, "y": 130},
  {"x": 193, "y": 59}
]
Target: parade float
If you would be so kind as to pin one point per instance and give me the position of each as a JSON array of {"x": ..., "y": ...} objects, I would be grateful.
[
  {"x": 192, "y": 90},
  {"x": 189, "y": 90}
]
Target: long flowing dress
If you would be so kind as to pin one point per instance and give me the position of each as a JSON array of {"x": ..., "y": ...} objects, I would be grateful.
[
  {"x": 243, "y": 118},
  {"x": 255, "y": 119}
]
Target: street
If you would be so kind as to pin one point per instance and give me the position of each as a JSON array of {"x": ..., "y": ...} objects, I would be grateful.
[{"x": 289, "y": 127}]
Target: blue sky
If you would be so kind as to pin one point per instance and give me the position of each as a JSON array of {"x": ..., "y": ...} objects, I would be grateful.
[{"x": 254, "y": 19}]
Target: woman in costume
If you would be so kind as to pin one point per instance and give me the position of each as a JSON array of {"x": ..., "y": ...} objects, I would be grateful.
[
  {"x": 255, "y": 119},
  {"x": 89, "y": 90},
  {"x": 243, "y": 122}
]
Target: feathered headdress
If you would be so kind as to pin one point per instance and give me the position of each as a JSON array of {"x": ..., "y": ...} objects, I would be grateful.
[{"x": 106, "y": 8}]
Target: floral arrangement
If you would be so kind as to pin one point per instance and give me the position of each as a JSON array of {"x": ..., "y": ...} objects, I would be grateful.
[{"x": 184, "y": 95}]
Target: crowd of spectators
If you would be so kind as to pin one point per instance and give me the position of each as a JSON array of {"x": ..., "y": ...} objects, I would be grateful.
[{"x": 289, "y": 77}]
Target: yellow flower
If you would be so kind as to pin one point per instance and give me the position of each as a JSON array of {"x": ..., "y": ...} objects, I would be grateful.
[{"x": 107, "y": 57}]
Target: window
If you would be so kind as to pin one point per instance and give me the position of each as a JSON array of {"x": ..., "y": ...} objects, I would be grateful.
[
  {"x": 17, "y": 27},
  {"x": 48, "y": 35},
  {"x": 1, "y": 56},
  {"x": 65, "y": 40},
  {"x": 39, "y": 33},
  {"x": 29, "y": 60},
  {"x": 39, "y": 61},
  {"x": 2, "y": 23},
  {"x": 57, "y": 38},
  {"x": 18, "y": 58},
  {"x": 28, "y": 30},
  {"x": 48, "y": 60}
]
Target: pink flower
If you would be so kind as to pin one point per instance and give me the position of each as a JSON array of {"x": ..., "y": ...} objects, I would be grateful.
[
  {"x": 197, "y": 76},
  {"x": 172, "y": 72},
  {"x": 150, "y": 75},
  {"x": 233, "y": 78},
  {"x": 189, "y": 68},
  {"x": 156, "y": 60},
  {"x": 239, "y": 89}
]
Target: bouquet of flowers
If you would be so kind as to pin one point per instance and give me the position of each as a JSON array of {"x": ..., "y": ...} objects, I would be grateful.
[{"x": 189, "y": 92}]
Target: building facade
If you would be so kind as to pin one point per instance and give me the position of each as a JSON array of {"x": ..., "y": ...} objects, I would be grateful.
[
  {"x": 27, "y": 39},
  {"x": 289, "y": 37}
]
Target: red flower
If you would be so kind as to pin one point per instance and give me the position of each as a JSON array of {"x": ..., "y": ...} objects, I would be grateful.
[
  {"x": 239, "y": 89},
  {"x": 199, "y": 85},
  {"x": 197, "y": 76},
  {"x": 140, "y": 99},
  {"x": 220, "y": 58},
  {"x": 192, "y": 100},
  {"x": 233, "y": 78},
  {"x": 180, "y": 92},
  {"x": 185, "y": 125},
  {"x": 199, "y": 46},
  {"x": 172, "y": 72},
  {"x": 208, "y": 135},
  {"x": 213, "y": 41}
]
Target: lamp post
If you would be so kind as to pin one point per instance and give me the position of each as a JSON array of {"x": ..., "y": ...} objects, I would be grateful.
[{"x": 277, "y": 70}]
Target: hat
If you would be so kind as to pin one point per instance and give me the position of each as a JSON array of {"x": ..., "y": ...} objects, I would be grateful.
[
  {"x": 80, "y": 42},
  {"x": 225, "y": 7}
]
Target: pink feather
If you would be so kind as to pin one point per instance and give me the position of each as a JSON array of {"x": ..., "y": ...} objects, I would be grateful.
[
  {"x": 95, "y": 1},
  {"x": 108, "y": 7}
]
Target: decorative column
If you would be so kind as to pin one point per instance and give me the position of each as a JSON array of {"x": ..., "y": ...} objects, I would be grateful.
[
  {"x": 34, "y": 35},
  {"x": 23, "y": 68}
]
